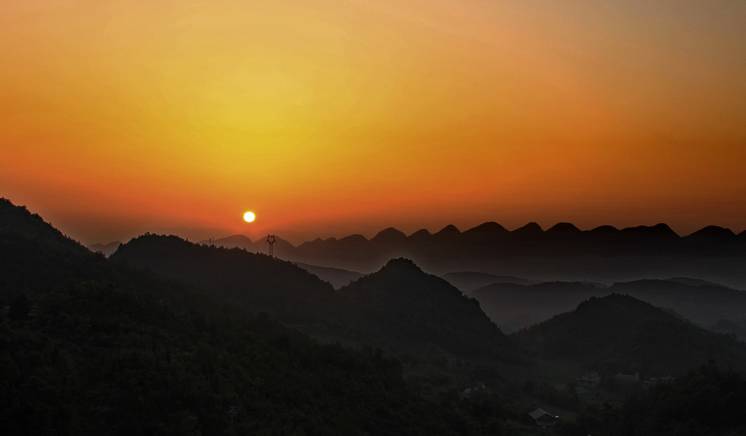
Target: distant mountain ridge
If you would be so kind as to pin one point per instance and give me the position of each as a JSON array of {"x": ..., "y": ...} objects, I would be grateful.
[
  {"x": 616, "y": 238},
  {"x": 607, "y": 253}
]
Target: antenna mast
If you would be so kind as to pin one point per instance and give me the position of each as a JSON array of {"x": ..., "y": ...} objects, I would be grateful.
[{"x": 271, "y": 239}]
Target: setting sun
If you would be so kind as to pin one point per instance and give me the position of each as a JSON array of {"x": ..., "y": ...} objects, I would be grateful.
[{"x": 249, "y": 216}]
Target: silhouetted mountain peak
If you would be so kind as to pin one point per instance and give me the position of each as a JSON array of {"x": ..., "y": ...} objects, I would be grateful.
[
  {"x": 18, "y": 221},
  {"x": 420, "y": 309},
  {"x": 605, "y": 230},
  {"x": 531, "y": 228},
  {"x": 354, "y": 238},
  {"x": 614, "y": 302},
  {"x": 619, "y": 333},
  {"x": 660, "y": 230},
  {"x": 712, "y": 233},
  {"x": 449, "y": 230},
  {"x": 401, "y": 264},
  {"x": 258, "y": 281},
  {"x": 237, "y": 239},
  {"x": 490, "y": 227},
  {"x": 151, "y": 240},
  {"x": 564, "y": 228},
  {"x": 390, "y": 235},
  {"x": 233, "y": 241},
  {"x": 420, "y": 235}
]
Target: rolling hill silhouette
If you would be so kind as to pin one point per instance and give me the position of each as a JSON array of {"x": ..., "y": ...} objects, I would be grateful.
[
  {"x": 257, "y": 282},
  {"x": 18, "y": 223},
  {"x": 562, "y": 252},
  {"x": 37, "y": 257},
  {"x": 403, "y": 303},
  {"x": 515, "y": 306},
  {"x": 90, "y": 346},
  {"x": 619, "y": 333},
  {"x": 173, "y": 337},
  {"x": 399, "y": 307}
]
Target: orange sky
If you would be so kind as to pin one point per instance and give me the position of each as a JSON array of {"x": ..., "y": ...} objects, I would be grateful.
[{"x": 330, "y": 117}]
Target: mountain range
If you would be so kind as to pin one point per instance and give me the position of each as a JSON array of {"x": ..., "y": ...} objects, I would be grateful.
[
  {"x": 168, "y": 336},
  {"x": 562, "y": 252},
  {"x": 492, "y": 239},
  {"x": 399, "y": 306}
]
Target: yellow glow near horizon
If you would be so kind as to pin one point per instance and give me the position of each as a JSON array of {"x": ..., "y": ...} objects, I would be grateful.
[{"x": 175, "y": 112}]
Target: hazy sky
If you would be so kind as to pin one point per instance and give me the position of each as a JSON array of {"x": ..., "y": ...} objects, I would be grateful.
[{"x": 328, "y": 117}]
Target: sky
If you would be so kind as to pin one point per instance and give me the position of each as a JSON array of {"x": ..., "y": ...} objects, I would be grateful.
[{"x": 335, "y": 117}]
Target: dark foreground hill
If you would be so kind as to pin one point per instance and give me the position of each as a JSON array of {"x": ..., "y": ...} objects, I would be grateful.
[
  {"x": 399, "y": 307},
  {"x": 255, "y": 282},
  {"x": 619, "y": 333},
  {"x": 89, "y": 347}
]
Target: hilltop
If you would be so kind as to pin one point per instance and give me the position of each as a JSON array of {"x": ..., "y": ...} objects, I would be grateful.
[
  {"x": 619, "y": 333},
  {"x": 406, "y": 305},
  {"x": 515, "y": 306}
]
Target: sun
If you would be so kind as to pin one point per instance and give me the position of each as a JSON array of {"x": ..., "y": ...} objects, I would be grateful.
[{"x": 249, "y": 216}]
